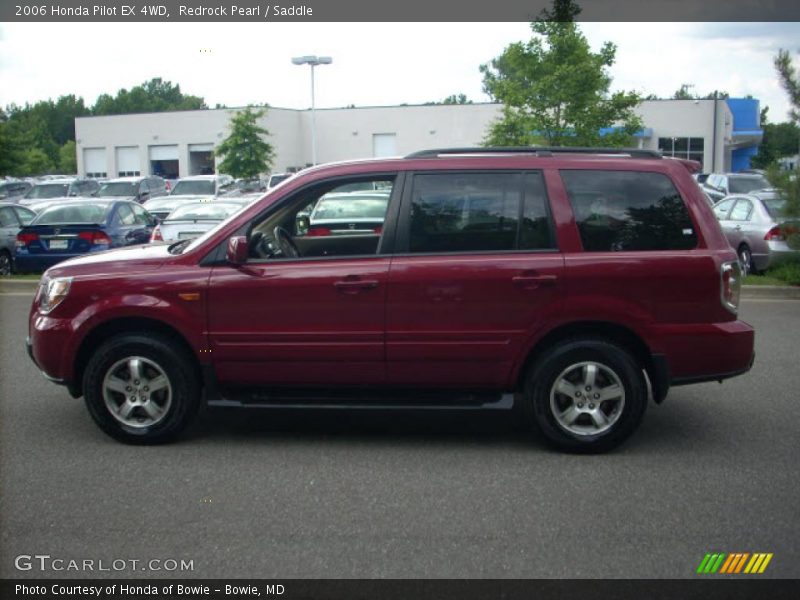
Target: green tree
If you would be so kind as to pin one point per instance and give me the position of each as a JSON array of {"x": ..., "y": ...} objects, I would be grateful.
[
  {"x": 683, "y": 93},
  {"x": 67, "y": 158},
  {"x": 155, "y": 95},
  {"x": 554, "y": 89},
  {"x": 35, "y": 162},
  {"x": 244, "y": 152},
  {"x": 788, "y": 184}
]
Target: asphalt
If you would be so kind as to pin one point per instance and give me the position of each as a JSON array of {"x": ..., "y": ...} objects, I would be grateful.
[{"x": 714, "y": 469}]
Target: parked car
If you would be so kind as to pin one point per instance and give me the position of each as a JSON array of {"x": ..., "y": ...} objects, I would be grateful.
[
  {"x": 203, "y": 185},
  {"x": 719, "y": 185},
  {"x": 755, "y": 227},
  {"x": 191, "y": 220},
  {"x": 139, "y": 189},
  {"x": 12, "y": 218},
  {"x": 277, "y": 178},
  {"x": 70, "y": 229},
  {"x": 61, "y": 188},
  {"x": 349, "y": 213},
  {"x": 14, "y": 190},
  {"x": 161, "y": 207},
  {"x": 574, "y": 283}
]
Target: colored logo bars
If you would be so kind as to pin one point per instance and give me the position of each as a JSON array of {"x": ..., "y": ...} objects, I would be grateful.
[{"x": 738, "y": 562}]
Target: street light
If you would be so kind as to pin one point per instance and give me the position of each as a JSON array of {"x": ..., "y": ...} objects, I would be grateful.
[{"x": 312, "y": 61}]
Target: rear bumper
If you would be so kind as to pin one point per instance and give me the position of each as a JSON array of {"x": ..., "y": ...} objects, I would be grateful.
[
  {"x": 35, "y": 263},
  {"x": 707, "y": 352}
]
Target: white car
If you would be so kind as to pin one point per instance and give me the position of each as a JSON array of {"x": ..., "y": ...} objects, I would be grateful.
[{"x": 192, "y": 220}]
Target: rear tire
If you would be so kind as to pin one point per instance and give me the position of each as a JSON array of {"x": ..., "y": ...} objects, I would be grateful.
[
  {"x": 745, "y": 260},
  {"x": 141, "y": 388},
  {"x": 6, "y": 265},
  {"x": 585, "y": 395}
]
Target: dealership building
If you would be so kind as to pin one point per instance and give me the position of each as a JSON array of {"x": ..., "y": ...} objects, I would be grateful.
[{"x": 721, "y": 134}]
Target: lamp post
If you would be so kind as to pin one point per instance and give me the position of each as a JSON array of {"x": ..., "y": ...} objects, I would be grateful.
[{"x": 312, "y": 61}]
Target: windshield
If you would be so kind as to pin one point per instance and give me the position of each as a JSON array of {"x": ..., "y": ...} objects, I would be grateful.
[
  {"x": 743, "y": 185},
  {"x": 334, "y": 207},
  {"x": 73, "y": 213},
  {"x": 203, "y": 212},
  {"x": 119, "y": 188},
  {"x": 48, "y": 190},
  {"x": 194, "y": 187}
]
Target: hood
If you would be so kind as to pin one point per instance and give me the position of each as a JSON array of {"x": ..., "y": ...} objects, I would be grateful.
[
  {"x": 194, "y": 197},
  {"x": 122, "y": 260}
]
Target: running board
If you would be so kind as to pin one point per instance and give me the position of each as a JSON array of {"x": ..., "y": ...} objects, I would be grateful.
[{"x": 322, "y": 402}]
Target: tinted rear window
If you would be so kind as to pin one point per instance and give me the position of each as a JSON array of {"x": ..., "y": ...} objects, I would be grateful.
[
  {"x": 196, "y": 187},
  {"x": 774, "y": 206},
  {"x": 473, "y": 212},
  {"x": 619, "y": 211},
  {"x": 743, "y": 185},
  {"x": 73, "y": 213}
]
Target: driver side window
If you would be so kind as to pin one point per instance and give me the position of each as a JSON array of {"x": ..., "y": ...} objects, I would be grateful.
[{"x": 337, "y": 219}]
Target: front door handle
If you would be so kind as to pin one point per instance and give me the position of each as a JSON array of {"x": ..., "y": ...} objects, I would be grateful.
[
  {"x": 354, "y": 286},
  {"x": 532, "y": 282}
]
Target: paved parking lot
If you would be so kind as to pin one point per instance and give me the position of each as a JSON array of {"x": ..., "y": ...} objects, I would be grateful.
[{"x": 715, "y": 469}]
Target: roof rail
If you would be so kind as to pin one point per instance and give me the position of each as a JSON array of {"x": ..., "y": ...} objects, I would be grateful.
[{"x": 538, "y": 150}]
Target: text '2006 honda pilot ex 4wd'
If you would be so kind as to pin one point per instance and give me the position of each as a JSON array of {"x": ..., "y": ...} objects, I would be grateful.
[{"x": 572, "y": 284}]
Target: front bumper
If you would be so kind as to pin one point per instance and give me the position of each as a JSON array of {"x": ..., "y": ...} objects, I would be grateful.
[{"x": 29, "y": 347}]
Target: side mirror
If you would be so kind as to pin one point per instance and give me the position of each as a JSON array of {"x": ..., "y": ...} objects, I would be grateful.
[{"x": 237, "y": 250}]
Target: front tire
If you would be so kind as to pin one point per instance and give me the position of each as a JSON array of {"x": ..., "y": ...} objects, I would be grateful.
[
  {"x": 585, "y": 395},
  {"x": 141, "y": 388}
]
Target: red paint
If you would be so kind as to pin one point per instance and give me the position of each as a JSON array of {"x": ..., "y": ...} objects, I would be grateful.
[{"x": 455, "y": 320}]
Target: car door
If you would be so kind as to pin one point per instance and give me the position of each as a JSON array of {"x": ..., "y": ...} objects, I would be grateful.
[
  {"x": 723, "y": 212},
  {"x": 9, "y": 227},
  {"x": 475, "y": 273},
  {"x": 740, "y": 222},
  {"x": 311, "y": 320}
]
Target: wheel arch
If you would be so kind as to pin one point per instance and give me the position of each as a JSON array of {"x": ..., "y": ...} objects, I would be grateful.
[
  {"x": 654, "y": 365},
  {"x": 118, "y": 326}
]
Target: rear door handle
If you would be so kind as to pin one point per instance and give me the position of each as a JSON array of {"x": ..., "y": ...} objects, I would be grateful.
[
  {"x": 532, "y": 282},
  {"x": 353, "y": 286}
]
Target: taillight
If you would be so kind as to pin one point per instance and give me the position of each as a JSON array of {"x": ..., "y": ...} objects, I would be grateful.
[
  {"x": 378, "y": 229},
  {"x": 775, "y": 235},
  {"x": 156, "y": 235},
  {"x": 318, "y": 232},
  {"x": 95, "y": 237},
  {"x": 23, "y": 239},
  {"x": 730, "y": 285}
]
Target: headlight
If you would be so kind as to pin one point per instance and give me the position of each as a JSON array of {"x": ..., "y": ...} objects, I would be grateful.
[{"x": 53, "y": 292}]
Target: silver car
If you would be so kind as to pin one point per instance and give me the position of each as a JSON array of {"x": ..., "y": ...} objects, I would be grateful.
[
  {"x": 192, "y": 220},
  {"x": 12, "y": 218},
  {"x": 755, "y": 229}
]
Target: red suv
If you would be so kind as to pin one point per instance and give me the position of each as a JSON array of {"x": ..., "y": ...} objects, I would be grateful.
[{"x": 571, "y": 283}]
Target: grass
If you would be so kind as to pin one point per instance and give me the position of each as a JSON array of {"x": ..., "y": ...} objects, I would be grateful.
[
  {"x": 28, "y": 277},
  {"x": 762, "y": 280}
]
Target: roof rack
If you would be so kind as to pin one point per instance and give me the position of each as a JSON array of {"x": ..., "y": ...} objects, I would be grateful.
[{"x": 538, "y": 150}]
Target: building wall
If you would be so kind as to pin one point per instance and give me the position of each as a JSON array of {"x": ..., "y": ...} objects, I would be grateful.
[{"x": 347, "y": 133}]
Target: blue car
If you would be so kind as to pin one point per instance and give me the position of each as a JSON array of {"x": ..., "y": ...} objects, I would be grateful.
[{"x": 76, "y": 228}]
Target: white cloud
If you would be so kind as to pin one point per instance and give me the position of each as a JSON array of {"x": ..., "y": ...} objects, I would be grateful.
[{"x": 373, "y": 63}]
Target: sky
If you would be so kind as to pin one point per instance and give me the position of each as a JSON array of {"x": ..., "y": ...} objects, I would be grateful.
[{"x": 373, "y": 63}]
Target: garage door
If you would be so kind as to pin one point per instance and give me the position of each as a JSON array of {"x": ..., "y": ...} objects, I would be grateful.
[
  {"x": 94, "y": 162},
  {"x": 164, "y": 152},
  {"x": 128, "y": 161}
]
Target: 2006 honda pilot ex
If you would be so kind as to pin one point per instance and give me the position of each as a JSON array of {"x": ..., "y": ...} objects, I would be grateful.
[{"x": 570, "y": 283}]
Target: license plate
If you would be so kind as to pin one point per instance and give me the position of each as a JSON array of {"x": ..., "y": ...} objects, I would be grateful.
[
  {"x": 59, "y": 244},
  {"x": 189, "y": 235}
]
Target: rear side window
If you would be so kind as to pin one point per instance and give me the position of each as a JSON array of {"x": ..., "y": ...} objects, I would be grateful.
[
  {"x": 742, "y": 210},
  {"x": 619, "y": 211},
  {"x": 125, "y": 215},
  {"x": 460, "y": 212}
]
